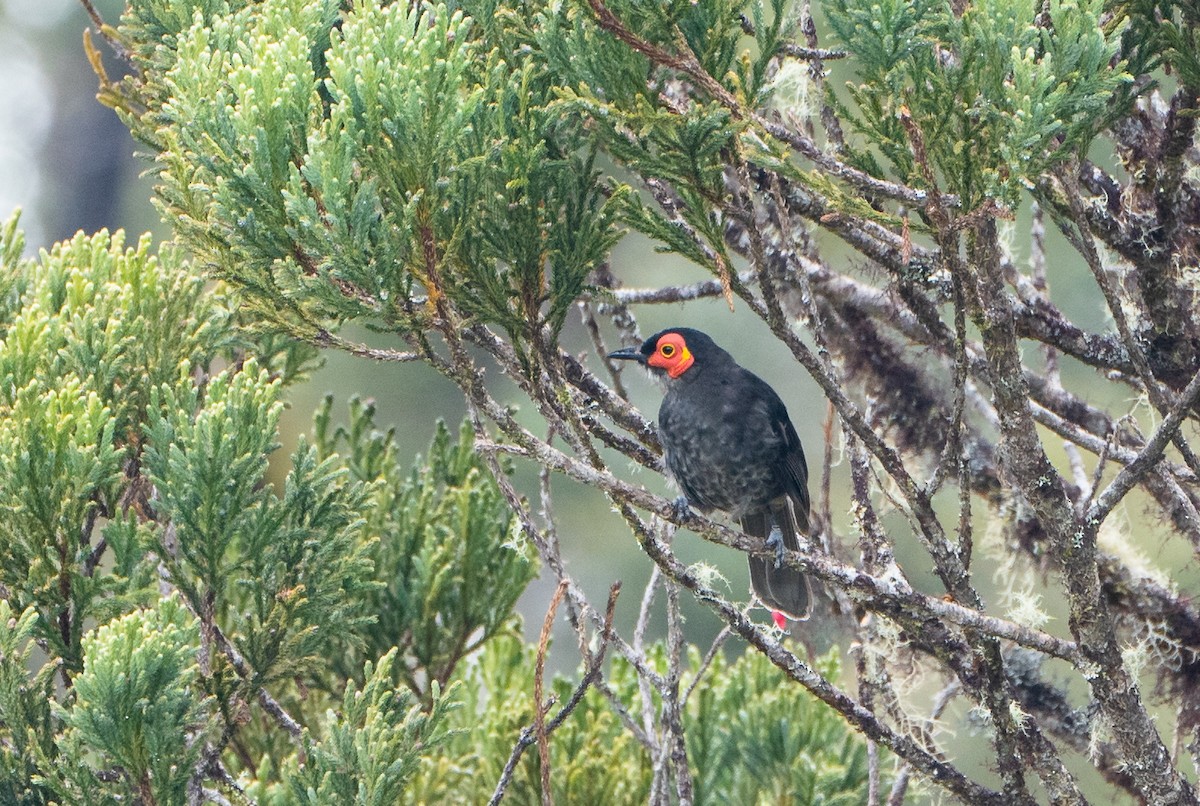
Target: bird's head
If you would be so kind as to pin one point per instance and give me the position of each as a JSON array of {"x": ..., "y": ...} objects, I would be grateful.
[{"x": 671, "y": 352}]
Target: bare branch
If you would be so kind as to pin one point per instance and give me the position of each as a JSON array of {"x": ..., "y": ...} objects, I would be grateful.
[
  {"x": 1167, "y": 431},
  {"x": 810, "y": 54},
  {"x": 326, "y": 339},
  {"x": 878, "y": 593},
  {"x": 1074, "y": 543}
]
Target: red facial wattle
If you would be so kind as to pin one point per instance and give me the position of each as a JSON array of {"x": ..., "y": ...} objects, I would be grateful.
[{"x": 671, "y": 353}]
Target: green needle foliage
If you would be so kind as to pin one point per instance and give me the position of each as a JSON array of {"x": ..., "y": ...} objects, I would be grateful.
[
  {"x": 594, "y": 759},
  {"x": 344, "y": 169},
  {"x": 753, "y": 741},
  {"x": 24, "y": 708},
  {"x": 1000, "y": 92},
  {"x": 281, "y": 573},
  {"x": 143, "y": 468},
  {"x": 750, "y": 739},
  {"x": 371, "y": 749},
  {"x": 92, "y": 328},
  {"x": 449, "y": 561},
  {"x": 66, "y": 436},
  {"x": 137, "y": 704}
]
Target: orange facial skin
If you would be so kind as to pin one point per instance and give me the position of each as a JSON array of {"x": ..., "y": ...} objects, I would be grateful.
[{"x": 671, "y": 354}]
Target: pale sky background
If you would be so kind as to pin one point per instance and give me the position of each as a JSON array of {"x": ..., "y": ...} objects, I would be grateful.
[{"x": 64, "y": 159}]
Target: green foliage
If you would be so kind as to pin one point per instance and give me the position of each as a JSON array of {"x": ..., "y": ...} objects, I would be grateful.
[
  {"x": 1000, "y": 93},
  {"x": 281, "y": 574},
  {"x": 1162, "y": 35},
  {"x": 752, "y": 739},
  {"x": 594, "y": 758},
  {"x": 119, "y": 319},
  {"x": 208, "y": 461},
  {"x": 12, "y": 269},
  {"x": 336, "y": 172},
  {"x": 373, "y": 162},
  {"x": 88, "y": 331},
  {"x": 136, "y": 469},
  {"x": 373, "y": 747},
  {"x": 449, "y": 560},
  {"x": 685, "y": 142},
  {"x": 653, "y": 129},
  {"x": 26, "y": 728},
  {"x": 57, "y": 457},
  {"x": 136, "y": 703},
  {"x": 152, "y": 26}
]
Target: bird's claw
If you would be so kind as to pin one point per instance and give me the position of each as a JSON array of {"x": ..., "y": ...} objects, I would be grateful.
[
  {"x": 682, "y": 508},
  {"x": 775, "y": 541}
]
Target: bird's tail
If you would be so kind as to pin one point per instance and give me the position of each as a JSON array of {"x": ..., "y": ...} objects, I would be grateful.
[{"x": 783, "y": 588}]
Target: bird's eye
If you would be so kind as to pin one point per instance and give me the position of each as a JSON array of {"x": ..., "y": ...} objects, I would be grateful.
[{"x": 667, "y": 350}]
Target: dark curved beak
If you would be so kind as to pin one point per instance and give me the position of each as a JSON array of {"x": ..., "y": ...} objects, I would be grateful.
[{"x": 629, "y": 354}]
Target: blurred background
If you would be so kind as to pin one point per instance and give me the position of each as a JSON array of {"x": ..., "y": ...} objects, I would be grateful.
[
  {"x": 71, "y": 165},
  {"x": 64, "y": 158}
]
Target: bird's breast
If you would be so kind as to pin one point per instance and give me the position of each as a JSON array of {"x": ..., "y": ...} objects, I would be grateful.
[{"x": 718, "y": 455}]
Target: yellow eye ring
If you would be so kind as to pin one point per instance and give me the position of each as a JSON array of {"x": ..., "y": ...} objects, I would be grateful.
[{"x": 667, "y": 350}]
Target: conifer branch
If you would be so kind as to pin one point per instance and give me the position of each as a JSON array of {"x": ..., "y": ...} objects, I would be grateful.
[{"x": 239, "y": 664}]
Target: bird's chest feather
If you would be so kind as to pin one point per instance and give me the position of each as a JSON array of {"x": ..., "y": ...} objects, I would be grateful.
[{"x": 720, "y": 448}]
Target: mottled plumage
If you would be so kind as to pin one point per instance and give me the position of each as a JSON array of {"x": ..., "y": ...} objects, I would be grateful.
[{"x": 730, "y": 445}]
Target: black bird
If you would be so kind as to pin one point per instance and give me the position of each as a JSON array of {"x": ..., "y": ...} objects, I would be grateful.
[{"x": 730, "y": 445}]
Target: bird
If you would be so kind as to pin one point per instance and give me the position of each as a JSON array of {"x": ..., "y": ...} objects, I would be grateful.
[{"x": 730, "y": 445}]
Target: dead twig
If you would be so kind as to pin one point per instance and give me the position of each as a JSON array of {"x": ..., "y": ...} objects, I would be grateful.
[{"x": 535, "y": 733}]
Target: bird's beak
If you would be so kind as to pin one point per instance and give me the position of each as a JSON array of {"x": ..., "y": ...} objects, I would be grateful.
[{"x": 629, "y": 354}]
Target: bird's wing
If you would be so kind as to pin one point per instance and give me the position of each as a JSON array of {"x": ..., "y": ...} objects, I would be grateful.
[
  {"x": 784, "y": 588},
  {"x": 795, "y": 469}
]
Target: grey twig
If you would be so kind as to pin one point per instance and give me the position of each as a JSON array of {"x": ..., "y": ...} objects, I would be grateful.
[
  {"x": 810, "y": 54},
  {"x": 1167, "y": 431}
]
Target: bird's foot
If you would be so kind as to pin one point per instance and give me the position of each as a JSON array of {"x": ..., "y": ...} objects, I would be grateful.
[
  {"x": 775, "y": 541},
  {"x": 682, "y": 508}
]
